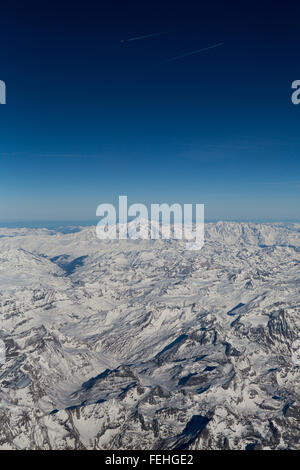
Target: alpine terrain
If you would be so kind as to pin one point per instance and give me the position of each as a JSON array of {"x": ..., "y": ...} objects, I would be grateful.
[{"x": 144, "y": 344}]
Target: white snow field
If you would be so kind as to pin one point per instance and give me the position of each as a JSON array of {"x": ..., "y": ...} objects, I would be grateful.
[{"x": 142, "y": 344}]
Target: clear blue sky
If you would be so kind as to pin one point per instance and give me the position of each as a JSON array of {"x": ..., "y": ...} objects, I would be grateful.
[{"x": 89, "y": 117}]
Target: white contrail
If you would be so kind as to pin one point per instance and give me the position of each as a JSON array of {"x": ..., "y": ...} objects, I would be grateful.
[
  {"x": 194, "y": 52},
  {"x": 141, "y": 37}
]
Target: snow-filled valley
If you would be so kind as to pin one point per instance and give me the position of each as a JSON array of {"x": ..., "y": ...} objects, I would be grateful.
[{"x": 143, "y": 344}]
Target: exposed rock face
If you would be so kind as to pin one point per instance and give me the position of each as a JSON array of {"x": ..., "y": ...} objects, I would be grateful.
[{"x": 145, "y": 345}]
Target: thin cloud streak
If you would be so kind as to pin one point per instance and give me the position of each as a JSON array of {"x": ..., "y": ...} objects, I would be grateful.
[
  {"x": 50, "y": 155},
  {"x": 194, "y": 52},
  {"x": 138, "y": 38}
]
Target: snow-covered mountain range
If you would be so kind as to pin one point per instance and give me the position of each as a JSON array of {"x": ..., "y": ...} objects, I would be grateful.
[{"x": 142, "y": 344}]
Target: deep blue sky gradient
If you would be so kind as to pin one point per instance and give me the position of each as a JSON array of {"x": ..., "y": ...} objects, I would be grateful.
[{"x": 88, "y": 117}]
